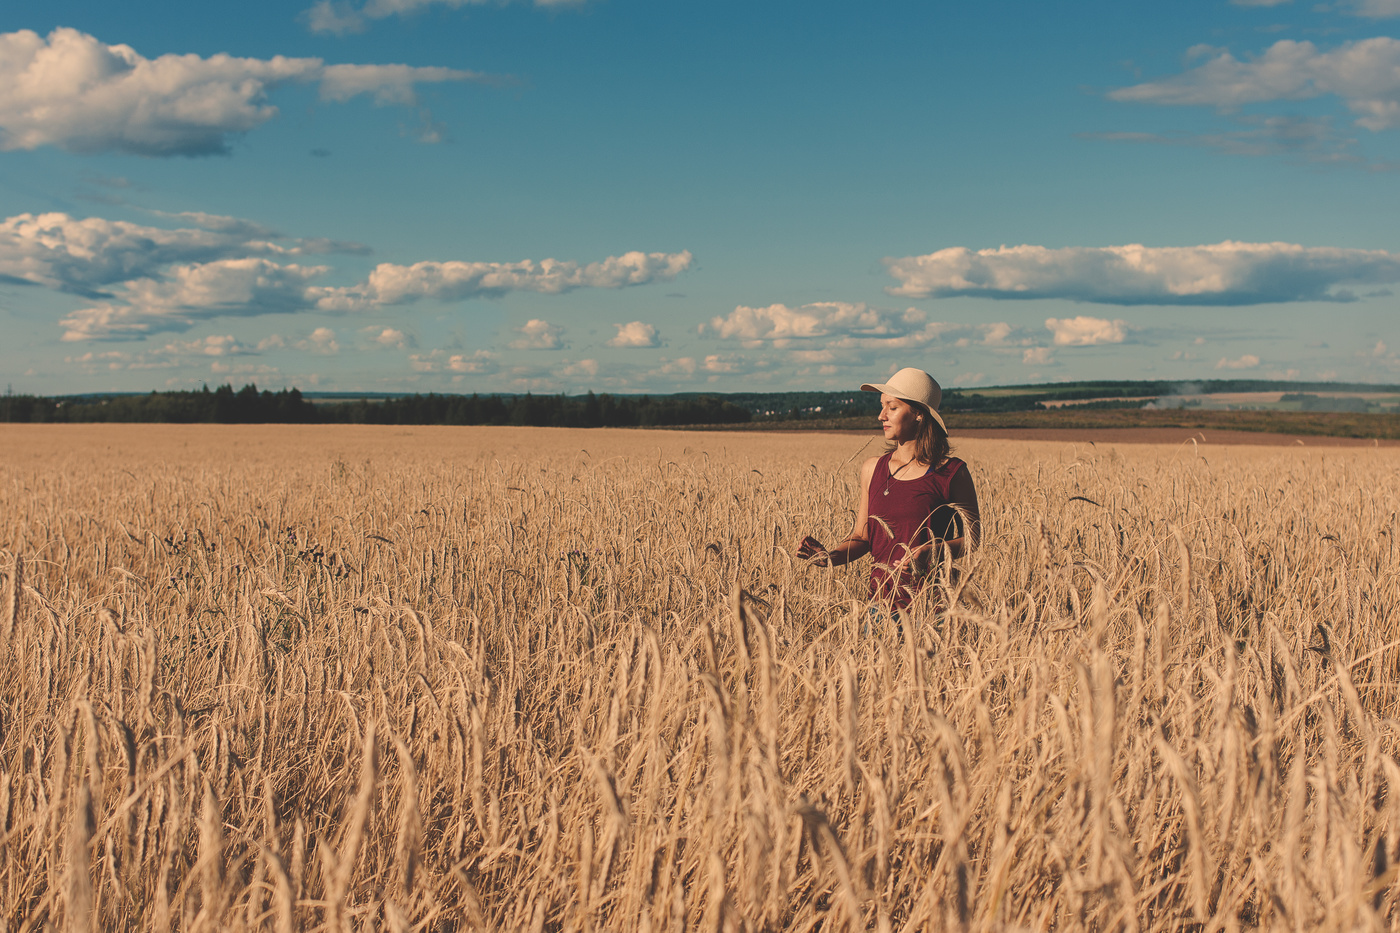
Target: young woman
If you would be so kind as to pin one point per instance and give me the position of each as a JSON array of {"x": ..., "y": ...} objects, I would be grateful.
[{"x": 914, "y": 501}]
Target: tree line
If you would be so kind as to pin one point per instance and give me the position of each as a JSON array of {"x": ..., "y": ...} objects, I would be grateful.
[{"x": 224, "y": 405}]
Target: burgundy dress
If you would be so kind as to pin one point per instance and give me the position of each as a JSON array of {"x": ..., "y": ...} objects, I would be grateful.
[{"x": 903, "y": 515}]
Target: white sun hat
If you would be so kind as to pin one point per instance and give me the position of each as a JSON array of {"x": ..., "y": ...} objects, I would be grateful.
[{"x": 912, "y": 385}]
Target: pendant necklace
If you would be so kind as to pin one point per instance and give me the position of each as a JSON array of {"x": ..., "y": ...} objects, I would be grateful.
[{"x": 886, "y": 491}]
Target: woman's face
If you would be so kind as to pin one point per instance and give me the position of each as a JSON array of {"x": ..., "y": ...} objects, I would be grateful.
[{"x": 899, "y": 419}]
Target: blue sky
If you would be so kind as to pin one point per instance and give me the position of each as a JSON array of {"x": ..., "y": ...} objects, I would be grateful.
[{"x": 633, "y": 195}]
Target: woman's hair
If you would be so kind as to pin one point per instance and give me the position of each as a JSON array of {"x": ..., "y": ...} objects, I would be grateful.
[{"x": 931, "y": 443}]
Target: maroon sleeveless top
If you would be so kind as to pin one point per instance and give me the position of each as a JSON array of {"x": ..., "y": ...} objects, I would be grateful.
[{"x": 902, "y": 517}]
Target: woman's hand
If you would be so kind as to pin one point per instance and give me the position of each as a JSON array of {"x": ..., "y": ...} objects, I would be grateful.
[{"x": 810, "y": 549}]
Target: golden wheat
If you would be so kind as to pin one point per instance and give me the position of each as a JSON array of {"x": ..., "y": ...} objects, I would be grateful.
[{"x": 440, "y": 679}]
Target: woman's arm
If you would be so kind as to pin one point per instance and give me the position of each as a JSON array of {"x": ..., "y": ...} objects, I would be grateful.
[
  {"x": 856, "y": 544},
  {"x": 962, "y": 496}
]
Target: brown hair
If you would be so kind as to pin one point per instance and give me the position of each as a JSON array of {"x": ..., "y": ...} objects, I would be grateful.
[{"x": 931, "y": 443}]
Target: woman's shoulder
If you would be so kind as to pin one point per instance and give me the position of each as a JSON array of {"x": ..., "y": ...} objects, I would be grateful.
[{"x": 949, "y": 466}]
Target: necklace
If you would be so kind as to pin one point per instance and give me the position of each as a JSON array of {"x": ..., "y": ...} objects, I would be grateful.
[{"x": 886, "y": 491}]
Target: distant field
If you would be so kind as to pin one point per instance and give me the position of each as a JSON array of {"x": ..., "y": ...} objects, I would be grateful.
[
  {"x": 1333, "y": 424},
  {"x": 1341, "y": 424},
  {"x": 438, "y": 679}
]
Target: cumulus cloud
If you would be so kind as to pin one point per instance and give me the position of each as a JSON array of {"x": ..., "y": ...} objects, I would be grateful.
[
  {"x": 635, "y": 335},
  {"x": 213, "y": 345},
  {"x": 1037, "y": 356},
  {"x": 1226, "y": 273},
  {"x": 391, "y": 284},
  {"x": 146, "y": 280},
  {"x": 835, "y": 325},
  {"x": 171, "y": 354},
  {"x": 73, "y": 91},
  {"x": 1086, "y": 331},
  {"x": 1247, "y": 361},
  {"x": 435, "y": 361},
  {"x": 339, "y": 18},
  {"x": 321, "y": 340},
  {"x": 482, "y": 361},
  {"x": 86, "y": 256},
  {"x": 820, "y": 319},
  {"x": 388, "y": 337},
  {"x": 191, "y": 293},
  {"x": 685, "y": 366},
  {"x": 729, "y": 364},
  {"x": 587, "y": 368},
  {"x": 538, "y": 335},
  {"x": 243, "y": 369},
  {"x": 1364, "y": 75}
]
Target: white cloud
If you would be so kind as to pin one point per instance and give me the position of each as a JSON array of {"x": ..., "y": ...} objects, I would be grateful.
[
  {"x": 726, "y": 364},
  {"x": 391, "y": 284},
  {"x": 84, "y": 256},
  {"x": 387, "y": 84},
  {"x": 220, "y": 223},
  {"x": 1365, "y": 75},
  {"x": 1376, "y": 9},
  {"x": 75, "y": 92},
  {"x": 684, "y": 366},
  {"x": 389, "y": 337},
  {"x": 587, "y": 368},
  {"x": 1372, "y": 9},
  {"x": 482, "y": 361},
  {"x": 835, "y": 325},
  {"x": 1304, "y": 139},
  {"x": 1247, "y": 361},
  {"x": 1037, "y": 356},
  {"x": 1226, "y": 273},
  {"x": 321, "y": 340},
  {"x": 191, "y": 293},
  {"x": 1086, "y": 331},
  {"x": 340, "y": 18},
  {"x": 635, "y": 335},
  {"x": 172, "y": 354},
  {"x": 149, "y": 280},
  {"x": 243, "y": 369},
  {"x": 821, "y": 319},
  {"x": 538, "y": 335},
  {"x": 225, "y": 345}
]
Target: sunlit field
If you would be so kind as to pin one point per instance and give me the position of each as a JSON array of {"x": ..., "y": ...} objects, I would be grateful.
[{"x": 434, "y": 679}]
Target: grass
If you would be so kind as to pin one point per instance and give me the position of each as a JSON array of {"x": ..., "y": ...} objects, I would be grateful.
[{"x": 440, "y": 679}]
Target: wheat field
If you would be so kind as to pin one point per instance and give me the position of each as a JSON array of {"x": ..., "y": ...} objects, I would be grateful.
[{"x": 424, "y": 679}]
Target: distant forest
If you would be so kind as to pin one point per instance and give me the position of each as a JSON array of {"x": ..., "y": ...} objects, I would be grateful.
[{"x": 225, "y": 405}]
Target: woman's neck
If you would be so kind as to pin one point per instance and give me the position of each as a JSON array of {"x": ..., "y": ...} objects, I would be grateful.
[{"x": 905, "y": 452}]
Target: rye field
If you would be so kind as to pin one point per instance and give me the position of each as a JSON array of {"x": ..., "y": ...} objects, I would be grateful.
[{"x": 436, "y": 679}]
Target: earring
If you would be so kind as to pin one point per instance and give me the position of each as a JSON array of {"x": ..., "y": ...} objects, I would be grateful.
[{"x": 920, "y": 419}]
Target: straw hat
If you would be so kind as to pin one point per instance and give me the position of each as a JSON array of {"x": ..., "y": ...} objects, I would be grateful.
[{"x": 913, "y": 385}]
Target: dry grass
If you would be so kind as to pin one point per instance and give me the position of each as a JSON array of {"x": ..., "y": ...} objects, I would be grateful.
[{"x": 444, "y": 679}]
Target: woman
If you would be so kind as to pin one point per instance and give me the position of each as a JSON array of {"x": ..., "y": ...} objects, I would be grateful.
[{"x": 914, "y": 501}]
